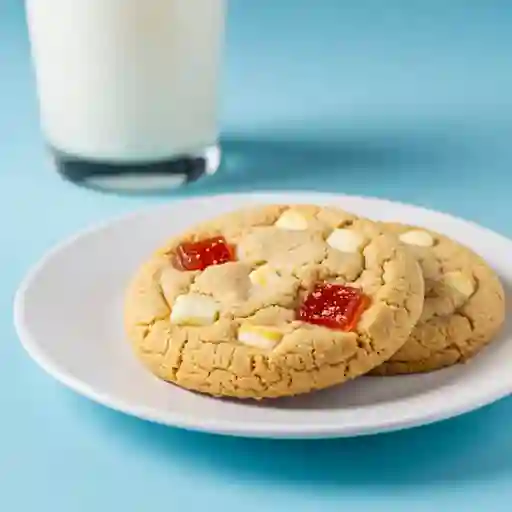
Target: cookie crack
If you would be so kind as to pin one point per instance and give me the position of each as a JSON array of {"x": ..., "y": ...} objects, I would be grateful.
[{"x": 179, "y": 360}]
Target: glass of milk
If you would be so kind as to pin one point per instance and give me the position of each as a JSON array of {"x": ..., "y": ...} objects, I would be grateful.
[{"x": 128, "y": 88}]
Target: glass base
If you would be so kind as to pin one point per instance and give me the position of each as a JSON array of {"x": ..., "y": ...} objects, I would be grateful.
[{"x": 160, "y": 176}]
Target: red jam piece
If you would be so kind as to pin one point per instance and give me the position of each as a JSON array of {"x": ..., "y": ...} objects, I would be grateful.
[
  {"x": 334, "y": 306},
  {"x": 203, "y": 253}
]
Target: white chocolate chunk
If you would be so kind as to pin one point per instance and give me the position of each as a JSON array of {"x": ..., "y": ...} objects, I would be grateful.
[
  {"x": 264, "y": 276},
  {"x": 194, "y": 309},
  {"x": 292, "y": 220},
  {"x": 417, "y": 237},
  {"x": 461, "y": 282},
  {"x": 346, "y": 240},
  {"x": 259, "y": 336}
]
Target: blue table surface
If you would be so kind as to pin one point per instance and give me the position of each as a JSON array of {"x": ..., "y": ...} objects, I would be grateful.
[{"x": 398, "y": 99}]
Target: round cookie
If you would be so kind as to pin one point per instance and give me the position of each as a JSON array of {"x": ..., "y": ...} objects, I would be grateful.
[
  {"x": 247, "y": 341},
  {"x": 464, "y": 304}
]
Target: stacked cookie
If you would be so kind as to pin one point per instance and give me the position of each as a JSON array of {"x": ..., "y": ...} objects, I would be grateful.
[{"x": 282, "y": 300}]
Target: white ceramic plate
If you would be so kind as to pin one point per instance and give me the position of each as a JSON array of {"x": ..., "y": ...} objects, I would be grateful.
[{"x": 68, "y": 315}]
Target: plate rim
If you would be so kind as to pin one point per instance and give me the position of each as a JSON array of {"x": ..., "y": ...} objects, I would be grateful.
[{"x": 230, "y": 427}]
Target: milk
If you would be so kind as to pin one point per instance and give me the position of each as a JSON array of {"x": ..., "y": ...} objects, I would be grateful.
[{"x": 127, "y": 81}]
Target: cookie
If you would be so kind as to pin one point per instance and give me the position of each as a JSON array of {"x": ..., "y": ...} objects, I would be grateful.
[
  {"x": 273, "y": 301},
  {"x": 464, "y": 304}
]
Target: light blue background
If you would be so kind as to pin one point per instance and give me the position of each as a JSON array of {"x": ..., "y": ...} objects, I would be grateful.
[{"x": 409, "y": 100}]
